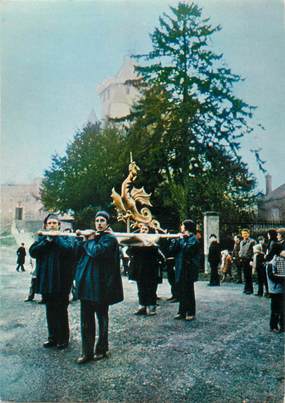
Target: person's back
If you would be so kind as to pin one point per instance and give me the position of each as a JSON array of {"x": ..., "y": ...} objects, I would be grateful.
[
  {"x": 21, "y": 254},
  {"x": 187, "y": 258}
]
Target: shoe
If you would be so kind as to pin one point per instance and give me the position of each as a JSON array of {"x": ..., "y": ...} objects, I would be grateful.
[
  {"x": 99, "y": 357},
  {"x": 190, "y": 317},
  {"x": 62, "y": 346},
  {"x": 179, "y": 316},
  {"x": 41, "y": 302},
  {"x": 174, "y": 301},
  {"x": 151, "y": 311},
  {"x": 266, "y": 295},
  {"x": 239, "y": 282},
  {"x": 141, "y": 311},
  {"x": 170, "y": 298},
  {"x": 85, "y": 358},
  {"x": 275, "y": 330},
  {"x": 28, "y": 300},
  {"x": 49, "y": 344},
  {"x": 258, "y": 295},
  {"x": 248, "y": 292}
]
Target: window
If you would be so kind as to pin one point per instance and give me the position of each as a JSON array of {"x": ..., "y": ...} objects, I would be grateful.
[{"x": 275, "y": 213}]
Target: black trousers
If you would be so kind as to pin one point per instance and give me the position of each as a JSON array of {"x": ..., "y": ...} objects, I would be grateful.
[
  {"x": 214, "y": 278},
  {"x": 32, "y": 290},
  {"x": 277, "y": 311},
  {"x": 20, "y": 266},
  {"x": 147, "y": 292},
  {"x": 261, "y": 280},
  {"x": 171, "y": 277},
  {"x": 247, "y": 272},
  {"x": 239, "y": 271},
  {"x": 88, "y": 327},
  {"x": 57, "y": 318},
  {"x": 186, "y": 297}
]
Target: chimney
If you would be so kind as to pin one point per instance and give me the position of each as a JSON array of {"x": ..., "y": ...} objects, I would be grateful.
[{"x": 268, "y": 181}]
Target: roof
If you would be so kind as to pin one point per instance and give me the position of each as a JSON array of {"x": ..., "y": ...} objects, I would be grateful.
[
  {"x": 276, "y": 194},
  {"x": 126, "y": 72}
]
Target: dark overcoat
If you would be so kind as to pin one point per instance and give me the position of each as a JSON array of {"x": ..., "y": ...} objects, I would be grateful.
[
  {"x": 98, "y": 276},
  {"x": 54, "y": 267},
  {"x": 187, "y": 258},
  {"x": 214, "y": 256},
  {"x": 21, "y": 253},
  {"x": 145, "y": 263}
]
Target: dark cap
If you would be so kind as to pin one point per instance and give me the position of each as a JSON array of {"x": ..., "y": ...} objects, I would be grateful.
[
  {"x": 103, "y": 213},
  {"x": 189, "y": 225}
]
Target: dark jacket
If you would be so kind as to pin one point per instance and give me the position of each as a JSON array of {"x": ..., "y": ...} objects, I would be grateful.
[
  {"x": 187, "y": 258},
  {"x": 98, "y": 276},
  {"x": 214, "y": 256},
  {"x": 145, "y": 263},
  {"x": 276, "y": 284},
  {"x": 273, "y": 249},
  {"x": 246, "y": 249},
  {"x": 53, "y": 265},
  {"x": 21, "y": 253}
]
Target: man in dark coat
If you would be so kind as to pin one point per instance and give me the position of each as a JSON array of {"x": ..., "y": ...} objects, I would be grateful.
[
  {"x": 214, "y": 259},
  {"x": 186, "y": 252},
  {"x": 21, "y": 253},
  {"x": 98, "y": 284},
  {"x": 54, "y": 279},
  {"x": 145, "y": 262}
]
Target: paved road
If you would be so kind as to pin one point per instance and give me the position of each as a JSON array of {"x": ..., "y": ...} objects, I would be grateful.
[{"x": 226, "y": 355}]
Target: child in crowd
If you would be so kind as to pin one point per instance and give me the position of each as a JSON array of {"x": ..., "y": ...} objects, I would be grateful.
[{"x": 226, "y": 266}]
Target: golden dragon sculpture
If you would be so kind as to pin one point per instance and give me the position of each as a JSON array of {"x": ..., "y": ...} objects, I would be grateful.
[{"x": 126, "y": 203}]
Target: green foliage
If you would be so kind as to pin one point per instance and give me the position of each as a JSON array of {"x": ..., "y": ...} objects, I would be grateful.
[
  {"x": 184, "y": 133},
  {"x": 82, "y": 179},
  {"x": 186, "y": 128}
]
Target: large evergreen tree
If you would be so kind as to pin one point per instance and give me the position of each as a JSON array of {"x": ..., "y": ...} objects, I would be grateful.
[{"x": 185, "y": 130}]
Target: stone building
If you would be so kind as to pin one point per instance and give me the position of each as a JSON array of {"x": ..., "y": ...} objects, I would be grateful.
[
  {"x": 21, "y": 204},
  {"x": 272, "y": 206},
  {"x": 116, "y": 94}
]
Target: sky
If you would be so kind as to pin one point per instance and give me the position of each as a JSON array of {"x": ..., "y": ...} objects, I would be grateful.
[{"x": 54, "y": 54}]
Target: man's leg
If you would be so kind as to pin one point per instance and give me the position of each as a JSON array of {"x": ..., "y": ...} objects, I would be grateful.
[
  {"x": 171, "y": 278},
  {"x": 62, "y": 322},
  {"x": 182, "y": 299},
  {"x": 103, "y": 326},
  {"x": 142, "y": 298},
  {"x": 274, "y": 312},
  {"x": 191, "y": 302},
  {"x": 88, "y": 329},
  {"x": 151, "y": 297},
  {"x": 31, "y": 295},
  {"x": 51, "y": 315},
  {"x": 248, "y": 286}
]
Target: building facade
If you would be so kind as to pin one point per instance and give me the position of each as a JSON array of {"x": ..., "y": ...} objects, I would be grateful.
[
  {"x": 21, "y": 203},
  {"x": 272, "y": 206},
  {"x": 117, "y": 94}
]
